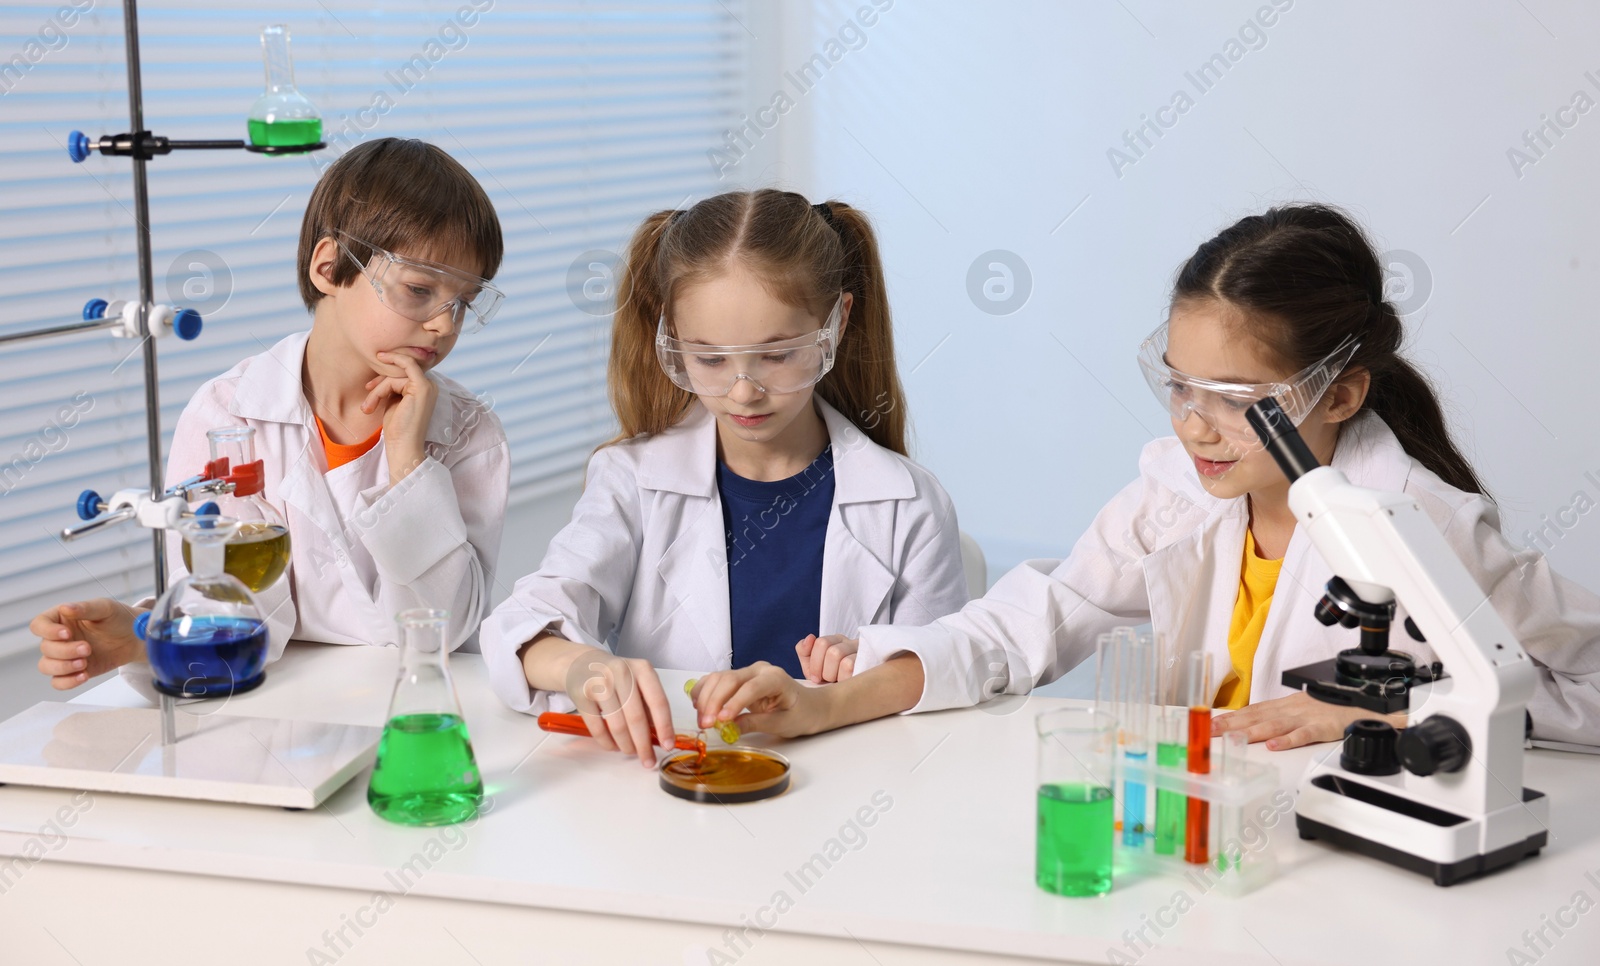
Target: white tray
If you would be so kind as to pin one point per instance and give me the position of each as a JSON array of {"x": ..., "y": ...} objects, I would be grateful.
[{"x": 217, "y": 757}]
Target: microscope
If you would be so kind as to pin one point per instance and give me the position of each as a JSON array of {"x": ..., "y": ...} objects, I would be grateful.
[{"x": 1443, "y": 796}]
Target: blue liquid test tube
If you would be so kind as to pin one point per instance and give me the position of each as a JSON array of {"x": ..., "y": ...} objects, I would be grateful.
[{"x": 1136, "y": 687}]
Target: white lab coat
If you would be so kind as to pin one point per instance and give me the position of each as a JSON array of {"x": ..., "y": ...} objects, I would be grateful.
[
  {"x": 1165, "y": 551},
  {"x": 360, "y": 550},
  {"x": 641, "y": 570}
]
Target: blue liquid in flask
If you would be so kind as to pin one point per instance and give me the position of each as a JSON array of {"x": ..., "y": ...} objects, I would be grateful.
[{"x": 206, "y": 656}]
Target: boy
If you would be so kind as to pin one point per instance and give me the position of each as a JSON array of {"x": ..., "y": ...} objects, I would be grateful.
[{"x": 392, "y": 479}]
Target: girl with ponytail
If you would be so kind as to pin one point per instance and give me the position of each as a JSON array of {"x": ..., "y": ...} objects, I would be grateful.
[
  {"x": 1287, "y": 303},
  {"x": 758, "y": 493}
]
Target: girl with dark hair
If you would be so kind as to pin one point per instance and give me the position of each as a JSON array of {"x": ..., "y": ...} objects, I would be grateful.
[{"x": 1288, "y": 303}]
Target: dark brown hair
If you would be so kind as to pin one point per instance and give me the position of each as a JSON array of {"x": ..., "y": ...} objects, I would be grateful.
[
  {"x": 805, "y": 255},
  {"x": 1306, "y": 278},
  {"x": 406, "y": 196}
]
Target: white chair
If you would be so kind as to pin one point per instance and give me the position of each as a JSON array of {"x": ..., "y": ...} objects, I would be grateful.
[{"x": 976, "y": 568}]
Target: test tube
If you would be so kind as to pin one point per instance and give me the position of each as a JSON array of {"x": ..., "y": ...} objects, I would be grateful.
[
  {"x": 1230, "y": 826},
  {"x": 1105, "y": 674},
  {"x": 1171, "y": 807},
  {"x": 1197, "y": 836},
  {"x": 1136, "y": 689},
  {"x": 1107, "y": 695}
]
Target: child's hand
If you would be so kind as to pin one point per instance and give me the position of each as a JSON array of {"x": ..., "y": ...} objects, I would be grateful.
[
  {"x": 405, "y": 421},
  {"x": 772, "y": 701},
  {"x": 825, "y": 659},
  {"x": 622, "y": 702},
  {"x": 1296, "y": 720},
  {"x": 84, "y": 640}
]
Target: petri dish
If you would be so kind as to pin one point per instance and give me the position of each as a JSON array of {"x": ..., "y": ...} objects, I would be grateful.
[{"x": 738, "y": 773}]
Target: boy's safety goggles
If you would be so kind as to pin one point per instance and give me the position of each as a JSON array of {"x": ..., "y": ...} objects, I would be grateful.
[
  {"x": 422, "y": 290},
  {"x": 772, "y": 367},
  {"x": 1223, "y": 404}
]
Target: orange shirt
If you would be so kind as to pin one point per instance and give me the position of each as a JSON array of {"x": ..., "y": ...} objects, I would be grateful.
[{"x": 341, "y": 453}]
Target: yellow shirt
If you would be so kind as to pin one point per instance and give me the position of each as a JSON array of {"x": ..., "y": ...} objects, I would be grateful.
[{"x": 1257, "y": 580}]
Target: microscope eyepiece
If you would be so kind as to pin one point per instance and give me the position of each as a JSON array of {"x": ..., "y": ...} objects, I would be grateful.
[{"x": 1281, "y": 438}]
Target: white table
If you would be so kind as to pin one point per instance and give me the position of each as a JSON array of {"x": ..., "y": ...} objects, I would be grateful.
[{"x": 581, "y": 859}]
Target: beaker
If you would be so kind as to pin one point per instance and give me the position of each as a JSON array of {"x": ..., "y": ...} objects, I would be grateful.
[
  {"x": 1076, "y": 811},
  {"x": 282, "y": 117},
  {"x": 426, "y": 773},
  {"x": 258, "y": 553},
  {"x": 205, "y": 637}
]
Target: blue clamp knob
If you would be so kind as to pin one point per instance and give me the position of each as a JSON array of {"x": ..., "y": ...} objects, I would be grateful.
[
  {"x": 88, "y": 505},
  {"x": 94, "y": 309},
  {"x": 208, "y": 509},
  {"x": 78, "y": 146},
  {"x": 187, "y": 324},
  {"x": 141, "y": 625}
]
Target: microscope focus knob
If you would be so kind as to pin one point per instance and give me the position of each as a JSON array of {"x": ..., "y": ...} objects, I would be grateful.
[
  {"x": 1434, "y": 744},
  {"x": 1369, "y": 748}
]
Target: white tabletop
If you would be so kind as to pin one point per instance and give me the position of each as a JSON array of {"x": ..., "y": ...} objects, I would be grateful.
[{"x": 947, "y": 862}]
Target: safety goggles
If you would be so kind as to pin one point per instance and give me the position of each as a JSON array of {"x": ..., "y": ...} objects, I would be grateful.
[
  {"x": 1223, "y": 404},
  {"x": 422, "y": 290},
  {"x": 772, "y": 367}
]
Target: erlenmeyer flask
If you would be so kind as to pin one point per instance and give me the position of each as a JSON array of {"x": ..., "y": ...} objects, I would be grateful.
[
  {"x": 205, "y": 637},
  {"x": 258, "y": 553},
  {"x": 426, "y": 773},
  {"x": 282, "y": 117}
]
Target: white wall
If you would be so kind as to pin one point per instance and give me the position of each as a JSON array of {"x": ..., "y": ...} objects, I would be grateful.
[{"x": 965, "y": 128}]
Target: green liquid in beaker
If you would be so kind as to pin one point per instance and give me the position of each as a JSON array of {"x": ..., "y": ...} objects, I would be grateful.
[
  {"x": 426, "y": 773},
  {"x": 1171, "y": 807},
  {"x": 1073, "y": 850},
  {"x": 282, "y": 134}
]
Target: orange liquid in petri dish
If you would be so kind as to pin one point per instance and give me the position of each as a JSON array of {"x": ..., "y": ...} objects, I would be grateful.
[{"x": 733, "y": 774}]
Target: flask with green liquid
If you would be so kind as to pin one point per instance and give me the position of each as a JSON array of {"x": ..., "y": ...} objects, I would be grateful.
[
  {"x": 426, "y": 773},
  {"x": 282, "y": 117}
]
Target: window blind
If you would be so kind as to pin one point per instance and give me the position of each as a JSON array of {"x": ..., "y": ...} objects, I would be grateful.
[{"x": 578, "y": 119}]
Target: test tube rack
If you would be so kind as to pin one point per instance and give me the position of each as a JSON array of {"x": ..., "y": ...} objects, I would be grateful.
[{"x": 1246, "y": 803}]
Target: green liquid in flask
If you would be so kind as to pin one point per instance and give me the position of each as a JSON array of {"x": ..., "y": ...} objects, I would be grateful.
[
  {"x": 283, "y": 134},
  {"x": 426, "y": 773},
  {"x": 1073, "y": 849}
]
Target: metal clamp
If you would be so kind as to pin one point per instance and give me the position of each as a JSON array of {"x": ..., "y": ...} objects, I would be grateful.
[{"x": 124, "y": 316}]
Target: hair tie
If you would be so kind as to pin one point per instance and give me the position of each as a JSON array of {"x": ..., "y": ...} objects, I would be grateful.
[{"x": 826, "y": 211}]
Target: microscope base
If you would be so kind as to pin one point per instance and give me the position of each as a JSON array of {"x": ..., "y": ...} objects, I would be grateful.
[
  {"x": 1443, "y": 874},
  {"x": 1343, "y": 811}
]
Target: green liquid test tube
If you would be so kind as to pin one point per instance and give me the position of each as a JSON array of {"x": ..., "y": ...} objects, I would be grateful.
[
  {"x": 1170, "y": 806},
  {"x": 1171, "y": 750}
]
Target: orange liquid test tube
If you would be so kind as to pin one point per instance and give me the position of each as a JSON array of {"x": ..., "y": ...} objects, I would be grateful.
[
  {"x": 572, "y": 724},
  {"x": 1196, "y": 839}
]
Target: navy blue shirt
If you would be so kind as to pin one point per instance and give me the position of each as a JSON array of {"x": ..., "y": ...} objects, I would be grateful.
[{"x": 775, "y": 535}]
